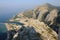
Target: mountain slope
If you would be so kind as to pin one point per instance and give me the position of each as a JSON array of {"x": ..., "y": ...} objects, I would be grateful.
[{"x": 44, "y": 20}]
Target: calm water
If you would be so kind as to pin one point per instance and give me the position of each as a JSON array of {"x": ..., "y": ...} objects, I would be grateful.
[
  {"x": 2, "y": 28},
  {"x": 4, "y": 16}
]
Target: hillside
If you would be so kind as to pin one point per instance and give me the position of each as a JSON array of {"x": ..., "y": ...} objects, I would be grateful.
[{"x": 40, "y": 23}]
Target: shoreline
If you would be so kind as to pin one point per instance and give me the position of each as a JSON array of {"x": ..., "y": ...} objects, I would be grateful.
[{"x": 8, "y": 27}]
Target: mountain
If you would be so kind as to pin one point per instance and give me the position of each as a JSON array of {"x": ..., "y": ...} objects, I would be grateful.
[{"x": 40, "y": 23}]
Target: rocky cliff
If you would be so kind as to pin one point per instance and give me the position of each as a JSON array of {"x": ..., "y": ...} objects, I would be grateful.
[{"x": 40, "y": 23}]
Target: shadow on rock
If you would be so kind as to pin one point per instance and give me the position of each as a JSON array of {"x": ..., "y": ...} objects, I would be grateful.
[{"x": 24, "y": 33}]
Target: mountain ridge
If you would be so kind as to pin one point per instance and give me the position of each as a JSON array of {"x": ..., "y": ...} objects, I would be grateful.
[{"x": 44, "y": 19}]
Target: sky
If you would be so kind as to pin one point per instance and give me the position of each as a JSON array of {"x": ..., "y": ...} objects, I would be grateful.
[
  {"x": 27, "y": 2},
  {"x": 24, "y": 4},
  {"x": 11, "y": 7}
]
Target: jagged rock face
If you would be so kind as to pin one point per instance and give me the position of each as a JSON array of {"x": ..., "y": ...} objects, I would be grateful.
[
  {"x": 46, "y": 13},
  {"x": 44, "y": 21},
  {"x": 40, "y": 27},
  {"x": 27, "y": 33}
]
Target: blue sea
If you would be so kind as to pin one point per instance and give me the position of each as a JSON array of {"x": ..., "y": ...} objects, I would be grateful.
[{"x": 3, "y": 18}]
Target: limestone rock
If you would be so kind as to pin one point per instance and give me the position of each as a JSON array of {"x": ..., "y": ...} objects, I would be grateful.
[{"x": 39, "y": 24}]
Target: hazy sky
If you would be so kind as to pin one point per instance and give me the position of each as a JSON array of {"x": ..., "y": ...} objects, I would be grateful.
[
  {"x": 14, "y": 4},
  {"x": 21, "y": 3},
  {"x": 24, "y": 4},
  {"x": 10, "y": 7}
]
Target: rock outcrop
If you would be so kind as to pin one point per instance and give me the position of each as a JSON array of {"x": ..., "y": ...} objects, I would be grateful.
[
  {"x": 41, "y": 23},
  {"x": 33, "y": 25}
]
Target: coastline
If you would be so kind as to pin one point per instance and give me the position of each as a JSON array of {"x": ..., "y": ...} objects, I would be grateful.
[{"x": 8, "y": 27}]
